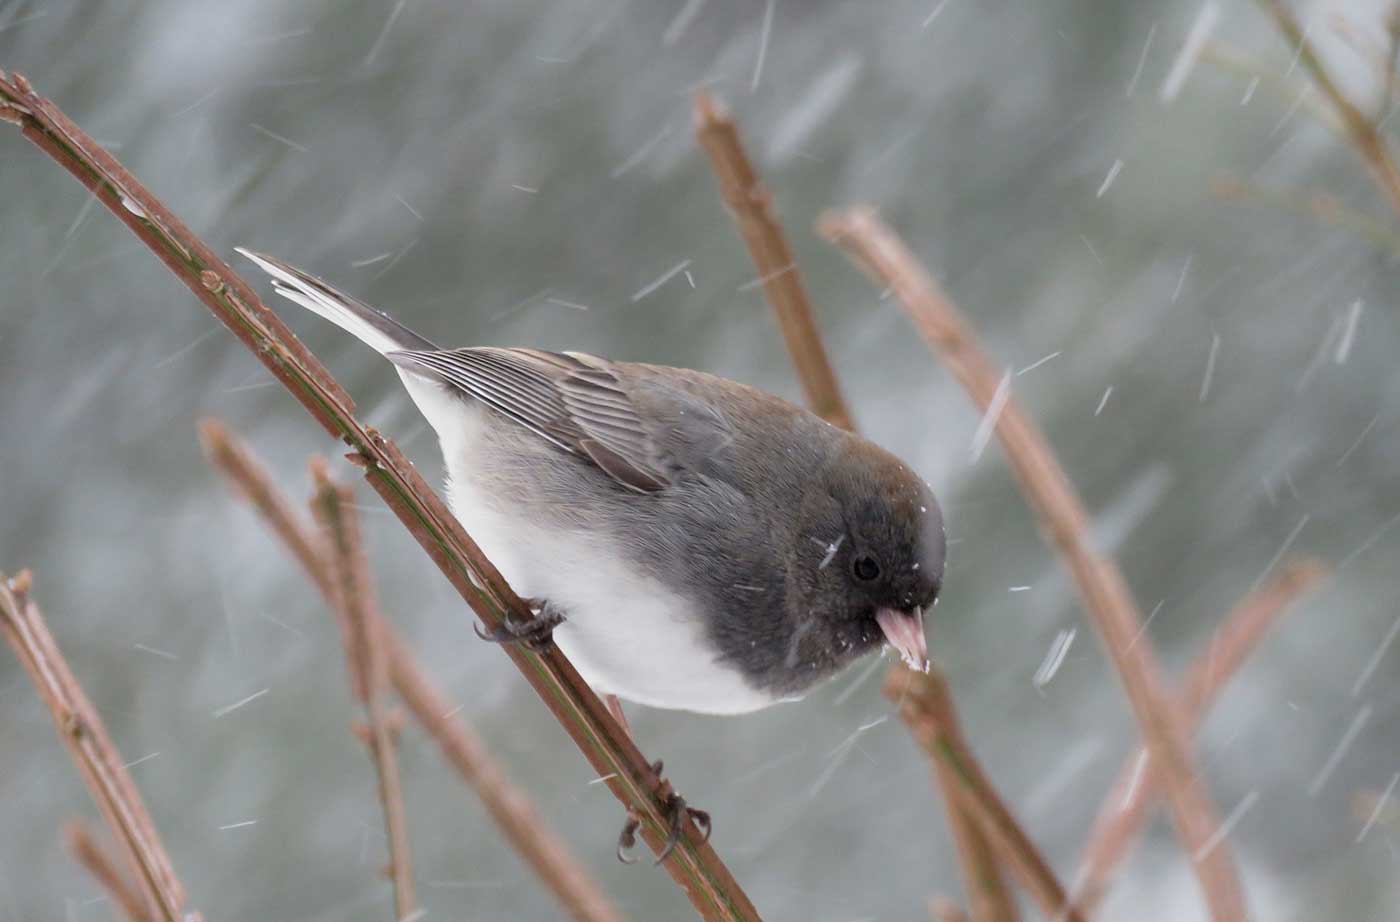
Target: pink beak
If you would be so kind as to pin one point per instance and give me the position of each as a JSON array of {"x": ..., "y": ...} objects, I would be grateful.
[{"x": 905, "y": 632}]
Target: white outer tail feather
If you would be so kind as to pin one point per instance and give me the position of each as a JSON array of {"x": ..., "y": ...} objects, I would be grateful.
[
  {"x": 298, "y": 292},
  {"x": 454, "y": 419}
]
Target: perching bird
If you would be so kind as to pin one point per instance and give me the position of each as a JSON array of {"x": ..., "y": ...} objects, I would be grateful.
[{"x": 693, "y": 543}]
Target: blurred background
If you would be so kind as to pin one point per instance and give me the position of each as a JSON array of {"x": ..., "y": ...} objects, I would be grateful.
[{"x": 1218, "y": 374}]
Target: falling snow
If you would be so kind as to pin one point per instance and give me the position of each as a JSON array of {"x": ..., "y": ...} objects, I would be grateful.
[{"x": 1145, "y": 218}]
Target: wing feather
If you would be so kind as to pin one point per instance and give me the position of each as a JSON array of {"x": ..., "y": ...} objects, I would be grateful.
[{"x": 575, "y": 401}]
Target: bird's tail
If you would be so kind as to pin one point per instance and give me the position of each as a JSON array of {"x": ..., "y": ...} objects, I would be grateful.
[
  {"x": 380, "y": 332},
  {"x": 370, "y": 325}
]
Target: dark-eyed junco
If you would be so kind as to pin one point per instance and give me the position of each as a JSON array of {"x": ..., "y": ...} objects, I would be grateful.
[{"x": 709, "y": 546}]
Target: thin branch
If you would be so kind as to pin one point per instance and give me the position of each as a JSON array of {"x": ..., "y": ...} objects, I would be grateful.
[
  {"x": 926, "y": 706},
  {"x": 565, "y": 876},
  {"x": 694, "y": 865},
  {"x": 82, "y": 731},
  {"x": 874, "y": 247},
  {"x": 1125, "y": 811},
  {"x": 1388, "y": 64},
  {"x": 248, "y": 477},
  {"x": 1320, "y": 206},
  {"x": 103, "y": 867},
  {"x": 751, "y": 206},
  {"x": 1287, "y": 91},
  {"x": 988, "y": 898},
  {"x": 752, "y": 209},
  {"x": 1363, "y": 131},
  {"x": 361, "y": 623},
  {"x": 508, "y": 805}
]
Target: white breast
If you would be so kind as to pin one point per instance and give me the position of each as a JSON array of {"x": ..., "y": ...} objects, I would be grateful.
[{"x": 625, "y": 633}]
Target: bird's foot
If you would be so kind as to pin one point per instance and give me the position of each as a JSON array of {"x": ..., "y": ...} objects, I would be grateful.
[
  {"x": 677, "y": 811},
  {"x": 535, "y": 635}
]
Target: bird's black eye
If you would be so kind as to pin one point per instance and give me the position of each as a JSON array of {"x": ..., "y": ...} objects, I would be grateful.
[{"x": 865, "y": 568}]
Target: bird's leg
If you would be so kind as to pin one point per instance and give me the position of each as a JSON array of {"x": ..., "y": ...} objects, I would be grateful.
[
  {"x": 676, "y": 808},
  {"x": 535, "y": 635}
]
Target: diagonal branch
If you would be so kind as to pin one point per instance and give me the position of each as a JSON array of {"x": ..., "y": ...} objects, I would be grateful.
[
  {"x": 103, "y": 867},
  {"x": 1320, "y": 206},
  {"x": 926, "y": 706},
  {"x": 694, "y": 865},
  {"x": 877, "y": 250},
  {"x": 1363, "y": 131},
  {"x": 988, "y": 898},
  {"x": 92, "y": 749},
  {"x": 751, "y": 206},
  {"x": 509, "y": 806},
  {"x": 360, "y": 622},
  {"x": 1126, "y": 808}
]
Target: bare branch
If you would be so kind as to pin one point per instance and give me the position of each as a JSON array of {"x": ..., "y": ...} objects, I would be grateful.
[
  {"x": 1125, "y": 811},
  {"x": 1251, "y": 66},
  {"x": 1362, "y": 130},
  {"x": 577, "y": 892},
  {"x": 82, "y": 731},
  {"x": 1388, "y": 64},
  {"x": 926, "y": 706},
  {"x": 751, "y": 206},
  {"x": 1320, "y": 206},
  {"x": 988, "y": 898},
  {"x": 249, "y": 478},
  {"x": 877, "y": 250},
  {"x": 360, "y": 621},
  {"x": 694, "y": 865},
  {"x": 103, "y": 867},
  {"x": 509, "y": 806}
]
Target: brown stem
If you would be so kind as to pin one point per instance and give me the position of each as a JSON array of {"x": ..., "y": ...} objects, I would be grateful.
[
  {"x": 988, "y": 898},
  {"x": 509, "y": 806},
  {"x": 358, "y": 611},
  {"x": 103, "y": 867},
  {"x": 577, "y": 892},
  {"x": 926, "y": 706},
  {"x": 1125, "y": 811},
  {"x": 82, "y": 731},
  {"x": 751, "y": 206},
  {"x": 1320, "y": 206},
  {"x": 1364, "y": 134},
  {"x": 694, "y": 865},
  {"x": 881, "y": 253}
]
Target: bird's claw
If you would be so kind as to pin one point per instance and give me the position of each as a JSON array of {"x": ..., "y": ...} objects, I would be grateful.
[
  {"x": 627, "y": 839},
  {"x": 678, "y": 812},
  {"x": 535, "y": 635}
]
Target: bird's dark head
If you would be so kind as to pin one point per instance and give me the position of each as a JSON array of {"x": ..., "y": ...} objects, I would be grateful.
[{"x": 868, "y": 561}]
